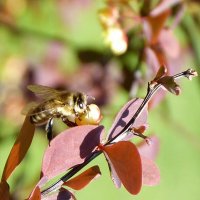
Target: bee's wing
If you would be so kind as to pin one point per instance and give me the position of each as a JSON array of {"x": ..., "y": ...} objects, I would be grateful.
[
  {"x": 29, "y": 108},
  {"x": 44, "y": 92}
]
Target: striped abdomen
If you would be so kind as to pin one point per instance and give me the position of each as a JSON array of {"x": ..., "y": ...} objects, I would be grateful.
[
  {"x": 40, "y": 118},
  {"x": 40, "y": 115}
]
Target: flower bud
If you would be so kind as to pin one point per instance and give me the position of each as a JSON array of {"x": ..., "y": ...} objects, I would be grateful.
[{"x": 117, "y": 40}]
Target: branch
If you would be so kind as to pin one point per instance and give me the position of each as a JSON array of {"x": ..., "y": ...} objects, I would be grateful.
[{"x": 152, "y": 88}]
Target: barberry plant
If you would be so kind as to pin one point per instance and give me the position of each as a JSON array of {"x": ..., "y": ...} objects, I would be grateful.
[{"x": 77, "y": 146}]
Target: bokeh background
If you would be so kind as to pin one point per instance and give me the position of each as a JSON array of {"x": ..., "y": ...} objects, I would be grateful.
[{"x": 62, "y": 44}]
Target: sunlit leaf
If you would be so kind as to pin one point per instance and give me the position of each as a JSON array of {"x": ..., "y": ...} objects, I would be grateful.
[
  {"x": 150, "y": 172},
  {"x": 20, "y": 148},
  {"x": 4, "y": 190},
  {"x": 148, "y": 153},
  {"x": 82, "y": 180},
  {"x": 70, "y": 148},
  {"x": 125, "y": 158},
  {"x": 125, "y": 114},
  {"x": 150, "y": 150}
]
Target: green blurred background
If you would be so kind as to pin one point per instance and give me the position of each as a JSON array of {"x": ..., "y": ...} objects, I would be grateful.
[{"x": 58, "y": 43}]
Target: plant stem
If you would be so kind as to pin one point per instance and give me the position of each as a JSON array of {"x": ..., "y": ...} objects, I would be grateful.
[
  {"x": 150, "y": 92},
  {"x": 72, "y": 172}
]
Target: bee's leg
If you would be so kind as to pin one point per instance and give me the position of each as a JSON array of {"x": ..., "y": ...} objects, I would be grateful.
[{"x": 48, "y": 129}]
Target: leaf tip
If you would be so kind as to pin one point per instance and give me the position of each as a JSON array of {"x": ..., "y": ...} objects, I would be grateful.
[{"x": 177, "y": 90}]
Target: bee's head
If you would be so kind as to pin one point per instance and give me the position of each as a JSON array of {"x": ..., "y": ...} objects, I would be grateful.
[{"x": 80, "y": 103}]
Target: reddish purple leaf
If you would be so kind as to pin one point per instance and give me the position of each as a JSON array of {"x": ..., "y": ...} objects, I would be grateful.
[
  {"x": 70, "y": 148},
  {"x": 169, "y": 84},
  {"x": 149, "y": 150},
  {"x": 126, "y": 161},
  {"x": 150, "y": 172},
  {"x": 169, "y": 43},
  {"x": 152, "y": 60},
  {"x": 156, "y": 24},
  {"x": 148, "y": 153},
  {"x": 140, "y": 129},
  {"x": 19, "y": 148},
  {"x": 125, "y": 114},
  {"x": 4, "y": 190},
  {"x": 83, "y": 179}
]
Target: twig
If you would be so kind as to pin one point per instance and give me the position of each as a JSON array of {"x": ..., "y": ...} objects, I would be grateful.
[{"x": 152, "y": 88}]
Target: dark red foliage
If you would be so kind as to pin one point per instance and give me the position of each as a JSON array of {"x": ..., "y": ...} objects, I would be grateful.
[
  {"x": 125, "y": 159},
  {"x": 150, "y": 172},
  {"x": 70, "y": 148},
  {"x": 148, "y": 153},
  {"x": 156, "y": 24},
  {"x": 149, "y": 150},
  {"x": 167, "y": 82},
  {"x": 144, "y": 34},
  {"x": 20, "y": 148},
  {"x": 82, "y": 180},
  {"x": 4, "y": 190},
  {"x": 125, "y": 114},
  {"x": 161, "y": 72}
]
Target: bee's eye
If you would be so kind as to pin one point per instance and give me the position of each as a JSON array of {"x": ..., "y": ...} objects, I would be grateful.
[{"x": 80, "y": 105}]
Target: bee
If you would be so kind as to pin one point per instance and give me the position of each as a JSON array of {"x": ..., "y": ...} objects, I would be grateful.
[{"x": 70, "y": 106}]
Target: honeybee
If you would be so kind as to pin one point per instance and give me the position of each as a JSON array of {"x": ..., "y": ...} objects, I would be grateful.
[{"x": 69, "y": 106}]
